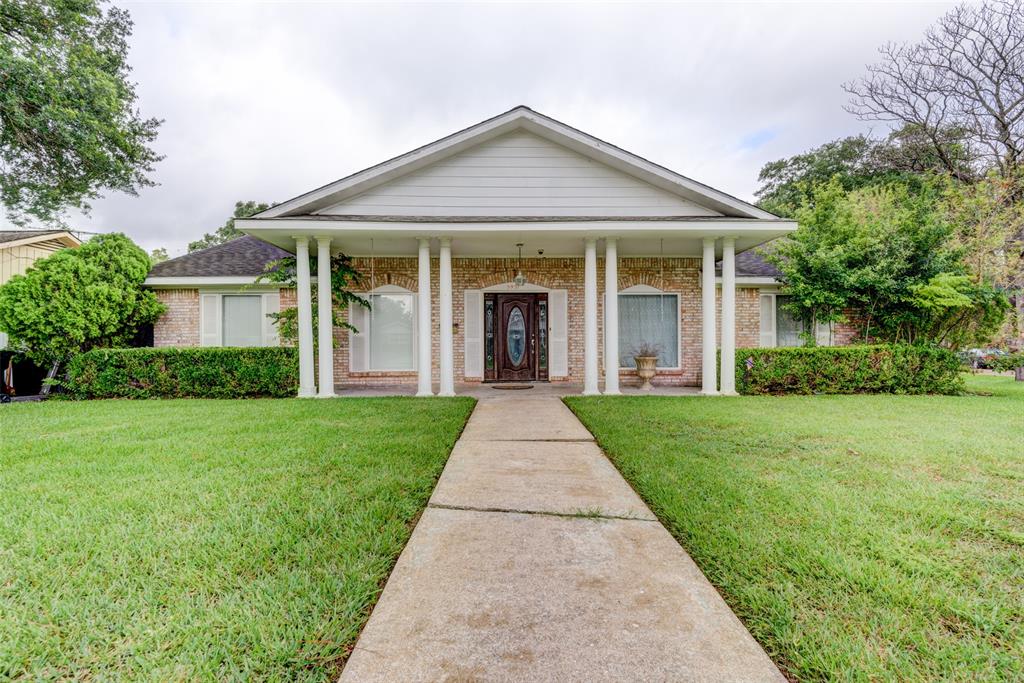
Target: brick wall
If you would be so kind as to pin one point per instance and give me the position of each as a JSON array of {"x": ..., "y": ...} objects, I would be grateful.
[
  {"x": 673, "y": 275},
  {"x": 179, "y": 326}
]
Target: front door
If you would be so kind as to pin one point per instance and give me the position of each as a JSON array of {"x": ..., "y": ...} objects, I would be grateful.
[{"x": 517, "y": 337}]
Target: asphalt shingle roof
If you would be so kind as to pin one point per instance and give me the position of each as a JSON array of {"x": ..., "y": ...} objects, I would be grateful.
[
  {"x": 241, "y": 256},
  {"x": 15, "y": 235},
  {"x": 752, "y": 264}
]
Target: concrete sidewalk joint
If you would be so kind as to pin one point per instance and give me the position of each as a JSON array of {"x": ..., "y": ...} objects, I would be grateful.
[{"x": 536, "y": 561}]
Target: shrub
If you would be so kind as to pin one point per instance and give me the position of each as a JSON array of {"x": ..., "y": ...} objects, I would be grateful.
[
  {"x": 880, "y": 369},
  {"x": 184, "y": 373}
]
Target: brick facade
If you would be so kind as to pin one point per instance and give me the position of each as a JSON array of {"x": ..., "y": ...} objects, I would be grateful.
[
  {"x": 681, "y": 276},
  {"x": 179, "y": 326},
  {"x": 672, "y": 275}
]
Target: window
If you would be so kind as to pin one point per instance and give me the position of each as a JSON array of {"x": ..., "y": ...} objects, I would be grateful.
[
  {"x": 649, "y": 318},
  {"x": 779, "y": 327},
  {"x": 236, "y": 319},
  {"x": 392, "y": 331},
  {"x": 243, "y": 320}
]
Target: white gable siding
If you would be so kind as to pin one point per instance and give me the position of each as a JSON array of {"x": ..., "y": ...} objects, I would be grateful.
[{"x": 518, "y": 174}]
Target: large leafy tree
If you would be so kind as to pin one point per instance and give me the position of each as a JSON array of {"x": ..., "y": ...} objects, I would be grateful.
[
  {"x": 69, "y": 125},
  {"x": 228, "y": 231},
  {"x": 904, "y": 156},
  {"x": 78, "y": 299},
  {"x": 891, "y": 255}
]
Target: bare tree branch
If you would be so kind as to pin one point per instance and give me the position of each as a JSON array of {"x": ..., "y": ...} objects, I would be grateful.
[{"x": 966, "y": 75}]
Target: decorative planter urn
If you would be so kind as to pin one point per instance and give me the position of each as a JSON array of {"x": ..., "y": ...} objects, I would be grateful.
[{"x": 646, "y": 368}]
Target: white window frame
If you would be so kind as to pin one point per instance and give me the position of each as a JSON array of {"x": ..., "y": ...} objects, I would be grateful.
[
  {"x": 393, "y": 290},
  {"x": 260, "y": 317},
  {"x": 647, "y": 290},
  {"x": 773, "y": 296},
  {"x": 266, "y": 308}
]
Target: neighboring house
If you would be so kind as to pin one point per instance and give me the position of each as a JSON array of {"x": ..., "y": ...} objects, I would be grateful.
[
  {"x": 19, "y": 249},
  {"x": 437, "y": 233}
]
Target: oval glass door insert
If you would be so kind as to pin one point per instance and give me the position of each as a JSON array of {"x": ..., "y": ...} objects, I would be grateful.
[{"x": 515, "y": 336}]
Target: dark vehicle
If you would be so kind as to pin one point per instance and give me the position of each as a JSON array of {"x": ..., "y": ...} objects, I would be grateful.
[{"x": 982, "y": 359}]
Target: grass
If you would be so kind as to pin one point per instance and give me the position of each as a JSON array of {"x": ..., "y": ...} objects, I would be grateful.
[
  {"x": 858, "y": 537},
  {"x": 213, "y": 540}
]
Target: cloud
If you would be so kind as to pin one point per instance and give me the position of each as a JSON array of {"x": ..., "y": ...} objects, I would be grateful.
[{"x": 266, "y": 101}]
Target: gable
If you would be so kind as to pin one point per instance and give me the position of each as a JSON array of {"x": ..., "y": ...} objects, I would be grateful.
[
  {"x": 523, "y": 120},
  {"x": 517, "y": 174}
]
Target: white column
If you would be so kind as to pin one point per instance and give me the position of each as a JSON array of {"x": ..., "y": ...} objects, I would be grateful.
[
  {"x": 325, "y": 320},
  {"x": 424, "y": 357},
  {"x": 709, "y": 385},
  {"x": 447, "y": 343},
  {"x": 590, "y": 317},
  {"x": 307, "y": 384},
  {"x": 611, "y": 317},
  {"x": 729, "y": 316}
]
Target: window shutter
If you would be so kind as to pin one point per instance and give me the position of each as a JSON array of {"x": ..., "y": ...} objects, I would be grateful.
[
  {"x": 558, "y": 314},
  {"x": 473, "y": 352},
  {"x": 767, "y": 321},
  {"x": 209, "y": 320},
  {"x": 271, "y": 304},
  {"x": 358, "y": 340}
]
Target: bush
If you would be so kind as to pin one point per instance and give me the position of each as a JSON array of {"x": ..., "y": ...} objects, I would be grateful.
[
  {"x": 880, "y": 369},
  {"x": 184, "y": 373}
]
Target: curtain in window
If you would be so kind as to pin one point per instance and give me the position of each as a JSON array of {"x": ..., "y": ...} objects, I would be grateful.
[
  {"x": 651, "y": 319},
  {"x": 391, "y": 331},
  {"x": 787, "y": 328},
  {"x": 243, "y": 324}
]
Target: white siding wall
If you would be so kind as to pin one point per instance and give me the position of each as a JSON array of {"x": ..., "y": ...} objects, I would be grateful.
[{"x": 518, "y": 174}]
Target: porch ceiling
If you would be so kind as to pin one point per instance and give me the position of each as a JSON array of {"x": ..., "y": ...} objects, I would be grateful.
[{"x": 499, "y": 238}]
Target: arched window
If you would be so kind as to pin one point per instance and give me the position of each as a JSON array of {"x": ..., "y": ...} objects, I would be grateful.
[{"x": 648, "y": 316}]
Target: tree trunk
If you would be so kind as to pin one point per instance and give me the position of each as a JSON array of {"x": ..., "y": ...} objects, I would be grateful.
[{"x": 1018, "y": 373}]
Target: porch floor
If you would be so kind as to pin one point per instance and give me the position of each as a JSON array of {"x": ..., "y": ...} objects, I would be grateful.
[{"x": 488, "y": 392}]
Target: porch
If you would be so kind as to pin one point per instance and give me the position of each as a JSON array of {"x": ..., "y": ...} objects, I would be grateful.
[{"x": 448, "y": 269}]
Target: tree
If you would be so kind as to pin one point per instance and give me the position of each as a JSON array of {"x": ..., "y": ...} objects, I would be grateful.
[
  {"x": 228, "y": 232},
  {"x": 785, "y": 183},
  {"x": 344, "y": 278},
  {"x": 967, "y": 75},
  {"x": 904, "y": 156},
  {"x": 79, "y": 299},
  {"x": 69, "y": 126},
  {"x": 889, "y": 254},
  {"x": 158, "y": 255}
]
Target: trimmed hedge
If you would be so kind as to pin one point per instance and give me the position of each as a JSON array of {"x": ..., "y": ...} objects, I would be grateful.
[
  {"x": 878, "y": 369},
  {"x": 184, "y": 373}
]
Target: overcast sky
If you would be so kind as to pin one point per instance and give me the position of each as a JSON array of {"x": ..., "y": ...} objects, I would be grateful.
[{"x": 266, "y": 101}]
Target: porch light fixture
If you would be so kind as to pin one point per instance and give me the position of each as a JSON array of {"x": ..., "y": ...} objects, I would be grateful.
[{"x": 519, "y": 280}]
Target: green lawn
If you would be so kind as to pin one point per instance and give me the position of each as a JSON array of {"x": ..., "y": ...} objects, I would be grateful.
[
  {"x": 858, "y": 537},
  {"x": 214, "y": 540}
]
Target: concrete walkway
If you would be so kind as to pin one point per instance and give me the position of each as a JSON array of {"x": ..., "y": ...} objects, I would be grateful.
[{"x": 536, "y": 561}]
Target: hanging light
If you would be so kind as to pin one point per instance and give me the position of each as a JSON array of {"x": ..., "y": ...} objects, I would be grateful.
[{"x": 519, "y": 280}]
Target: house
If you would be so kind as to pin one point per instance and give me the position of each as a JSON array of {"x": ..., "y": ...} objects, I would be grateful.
[
  {"x": 503, "y": 252},
  {"x": 19, "y": 249}
]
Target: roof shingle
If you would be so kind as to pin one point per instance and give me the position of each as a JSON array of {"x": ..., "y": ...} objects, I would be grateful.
[
  {"x": 241, "y": 256},
  {"x": 15, "y": 235}
]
